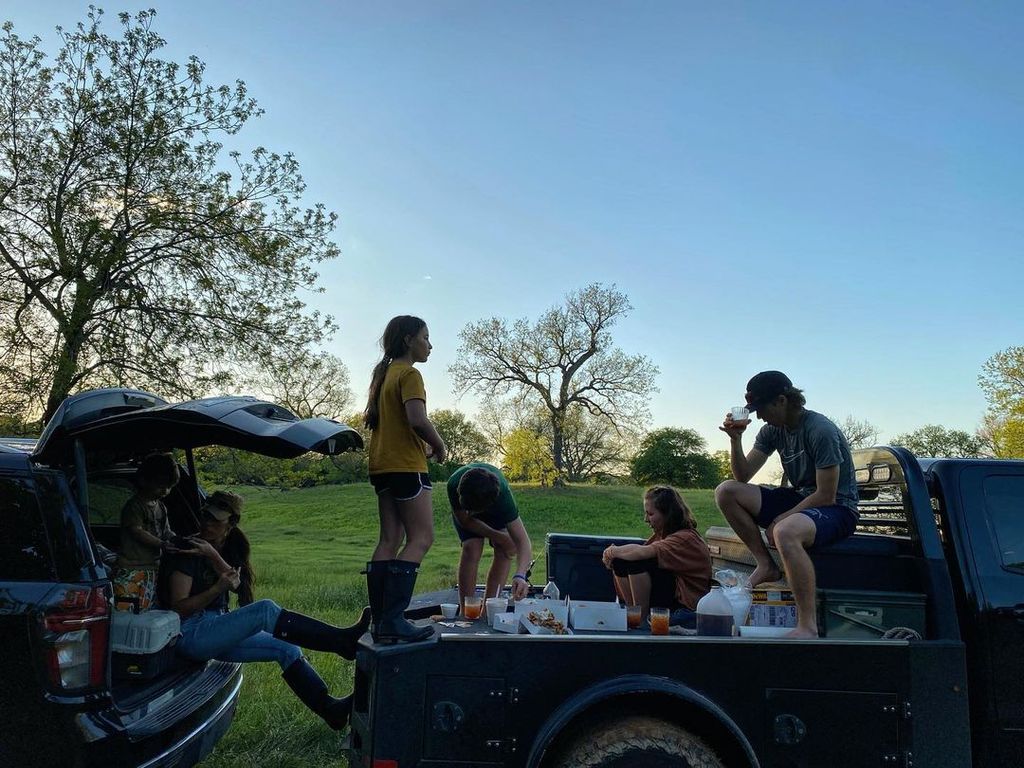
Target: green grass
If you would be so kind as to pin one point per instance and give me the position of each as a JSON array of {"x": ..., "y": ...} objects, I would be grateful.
[{"x": 308, "y": 548}]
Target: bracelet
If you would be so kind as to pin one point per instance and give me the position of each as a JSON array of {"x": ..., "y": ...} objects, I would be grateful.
[{"x": 519, "y": 576}]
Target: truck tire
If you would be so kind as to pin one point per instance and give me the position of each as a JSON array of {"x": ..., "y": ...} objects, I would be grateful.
[{"x": 639, "y": 741}]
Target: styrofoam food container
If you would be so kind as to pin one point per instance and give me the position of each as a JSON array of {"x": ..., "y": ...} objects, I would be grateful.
[{"x": 764, "y": 632}]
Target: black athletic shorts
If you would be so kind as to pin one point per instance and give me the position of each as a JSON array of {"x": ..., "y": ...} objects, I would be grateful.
[{"x": 402, "y": 485}]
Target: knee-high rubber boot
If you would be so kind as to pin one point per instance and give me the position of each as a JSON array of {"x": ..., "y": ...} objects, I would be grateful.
[
  {"x": 396, "y": 586},
  {"x": 315, "y": 635},
  {"x": 376, "y": 571},
  {"x": 311, "y": 690}
]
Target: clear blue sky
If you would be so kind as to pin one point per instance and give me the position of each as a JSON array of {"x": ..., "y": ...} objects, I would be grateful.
[{"x": 832, "y": 189}]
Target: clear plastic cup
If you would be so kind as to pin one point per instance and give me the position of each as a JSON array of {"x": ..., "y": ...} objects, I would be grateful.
[
  {"x": 495, "y": 605},
  {"x": 633, "y": 616},
  {"x": 473, "y": 607},
  {"x": 739, "y": 413},
  {"x": 659, "y": 621}
]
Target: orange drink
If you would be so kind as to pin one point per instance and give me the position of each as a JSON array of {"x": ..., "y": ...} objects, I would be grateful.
[
  {"x": 659, "y": 621},
  {"x": 632, "y": 616},
  {"x": 474, "y": 606}
]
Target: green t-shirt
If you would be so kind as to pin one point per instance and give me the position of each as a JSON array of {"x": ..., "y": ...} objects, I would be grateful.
[{"x": 502, "y": 512}]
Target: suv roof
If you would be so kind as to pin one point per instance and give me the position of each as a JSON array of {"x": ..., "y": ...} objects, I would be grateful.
[{"x": 109, "y": 419}]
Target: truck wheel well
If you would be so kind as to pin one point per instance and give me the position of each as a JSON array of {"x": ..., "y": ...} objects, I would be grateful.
[{"x": 662, "y": 706}]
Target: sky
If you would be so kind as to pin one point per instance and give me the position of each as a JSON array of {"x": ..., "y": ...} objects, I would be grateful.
[{"x": 830, "y": 189}]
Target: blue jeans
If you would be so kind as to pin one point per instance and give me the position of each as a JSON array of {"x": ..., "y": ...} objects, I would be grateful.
[{"x": 240, "y": 635}]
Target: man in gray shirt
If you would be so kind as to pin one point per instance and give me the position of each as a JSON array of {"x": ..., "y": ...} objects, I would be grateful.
[{"x": 819, "y": 509}]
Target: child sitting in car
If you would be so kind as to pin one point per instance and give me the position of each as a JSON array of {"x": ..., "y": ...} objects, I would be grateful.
[{"x": 145, "y": 532}]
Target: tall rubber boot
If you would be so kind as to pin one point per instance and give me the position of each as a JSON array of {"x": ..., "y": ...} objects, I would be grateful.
[
  {"x": 399, "y": 582},
  {"x": 315, "y": 635},
  {"x": 311, "y": 690},
  {"x": 376, "y": 572}
]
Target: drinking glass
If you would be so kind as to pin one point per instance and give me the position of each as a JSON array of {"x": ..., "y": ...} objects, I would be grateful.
[
  {"x": 473, "y": 607},
  {"x": 659, "y": 621},
  {"x": 632, "y": 616}
]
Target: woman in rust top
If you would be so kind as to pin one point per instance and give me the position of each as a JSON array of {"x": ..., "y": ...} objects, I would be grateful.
[{"x": 673, "y": 569}]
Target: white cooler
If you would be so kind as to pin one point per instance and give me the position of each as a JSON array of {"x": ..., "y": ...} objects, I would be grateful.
[{"x": 142, "y": 644}]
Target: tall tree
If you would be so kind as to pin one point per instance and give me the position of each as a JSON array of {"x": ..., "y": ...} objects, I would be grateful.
[
  {"x": 131, "y": 251},
  {"x": 464, "y": 441},
  {"x": 1002, "y": 379},
  {"x": 860, "y": 433},
  {"x": 675, "y": 456},
  {"x": 306, "y": 382},
  {"x": 565, "y": 358},
  {"x": 526, "y": 457},
  {"x": 934, "y": 440}
]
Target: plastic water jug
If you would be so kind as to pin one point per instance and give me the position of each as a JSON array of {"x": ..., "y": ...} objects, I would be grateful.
[
  {"x": 715, "y": 614},
  {"x": 551, "y": 590}
]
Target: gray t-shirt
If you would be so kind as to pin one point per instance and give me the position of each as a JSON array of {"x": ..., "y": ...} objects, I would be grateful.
[{"x": 816, "y": 443}]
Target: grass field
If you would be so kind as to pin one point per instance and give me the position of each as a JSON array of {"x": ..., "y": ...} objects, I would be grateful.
[{"x": 309, "y": 546}]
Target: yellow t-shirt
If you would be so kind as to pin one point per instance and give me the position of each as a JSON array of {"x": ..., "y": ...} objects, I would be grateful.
[{"x": 394, "y": 447}]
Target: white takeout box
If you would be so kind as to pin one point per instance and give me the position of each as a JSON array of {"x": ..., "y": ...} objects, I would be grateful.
[
  {"x": 606, "y": 617},
  {"x": 506, "y": 622},
  {"x": 559, "y": 608},
  {"x": 536, "y": 629}
]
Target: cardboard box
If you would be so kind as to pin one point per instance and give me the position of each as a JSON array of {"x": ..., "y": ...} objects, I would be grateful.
[
  {"x": 506, "y": 622},
  {"x": 605, "y": 617},
  {"x": 536, "y": 629},
  {"x": 772, "y": 608}
]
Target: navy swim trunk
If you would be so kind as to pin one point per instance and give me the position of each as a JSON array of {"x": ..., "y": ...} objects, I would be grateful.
[{"x": 832, "y": 523}]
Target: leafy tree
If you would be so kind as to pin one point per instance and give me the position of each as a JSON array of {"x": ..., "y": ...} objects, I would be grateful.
[
  {"x": 527, "y": 457},
  {"x": 564, "y": 359},
  {"x": 934, "y": 440},
  {"x": 860, "y": 433},
  {"x": 1003, "y": 436},
  {"x": 1002, "y": 380},
  {"x": 464, "y": 441},
  {"x": 676, "y": 457},
  {"x": 307, "y": 383},
  {"x": 131, "y": 251},
  {"x": 592, "y": 446},
  {"x": 724, "y": 465}
]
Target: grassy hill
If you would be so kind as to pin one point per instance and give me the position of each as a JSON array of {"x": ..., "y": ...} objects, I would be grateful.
[{"x": 309, "y": 546}]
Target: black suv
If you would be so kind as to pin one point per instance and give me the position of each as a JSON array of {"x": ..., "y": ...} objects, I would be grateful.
[{"x": 60, "y": 502}]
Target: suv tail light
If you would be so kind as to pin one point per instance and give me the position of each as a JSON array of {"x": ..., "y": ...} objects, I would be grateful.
[{"x": 75, "y": 636}]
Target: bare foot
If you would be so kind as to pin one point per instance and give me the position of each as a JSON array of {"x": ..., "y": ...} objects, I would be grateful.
[
  {"x": 764, "y": 573},
  {"x": 802, "y": 633}
]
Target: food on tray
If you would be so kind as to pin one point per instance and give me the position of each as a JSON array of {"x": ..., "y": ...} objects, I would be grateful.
[{"x": 545, "y": 618}]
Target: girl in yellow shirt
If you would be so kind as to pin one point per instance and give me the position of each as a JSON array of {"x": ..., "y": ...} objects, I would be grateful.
[{"x": 401, "y": 439}]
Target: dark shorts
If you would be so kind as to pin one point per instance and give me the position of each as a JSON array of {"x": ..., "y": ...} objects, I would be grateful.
[
  {"x": 663, "y": 583},
  {"x": 832, "y": 523},
  {"x": 465, "y": 534},
  {"x": 402, "y": 485}
]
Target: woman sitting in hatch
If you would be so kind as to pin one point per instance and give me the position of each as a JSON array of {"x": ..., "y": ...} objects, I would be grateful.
[
  {"x": 256, "y": 631},
  {"x": 673, "y": 569}
]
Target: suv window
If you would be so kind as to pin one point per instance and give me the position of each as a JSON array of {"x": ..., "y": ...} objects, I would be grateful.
[
  {"x": 24, "y": 551},
  {"x": 1002, "y": 502},
  {"x": 68, "y": 538},
  {"x": 107, "y": 497}
]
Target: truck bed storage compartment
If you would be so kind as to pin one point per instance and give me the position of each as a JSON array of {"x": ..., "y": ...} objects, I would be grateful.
[
  {"x": 855, "y": 614},
  {"x": 862, "y": 561},
  {"x": 574, "y": 564},
  {"x": 143, "y": 644}
]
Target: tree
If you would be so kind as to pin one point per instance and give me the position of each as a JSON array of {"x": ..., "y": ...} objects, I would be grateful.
[
  {"x": 675, "y": 457},
  {"x": 130, "y": 251},
  {"x": 1002, "y": 380},
  {"x": 527, "y": 457},
  {"x": 1003, "y": 436},
  {"x": 934, "y": 440},
  {"x": 591, "y": 445},
  {"x": 307, "y": 383},
  {"x": 565, "y": 359},
  {"x": 860, "y": 433},
  {"x": 464, "y": 441},
  {"x": 724, "y": 462}
]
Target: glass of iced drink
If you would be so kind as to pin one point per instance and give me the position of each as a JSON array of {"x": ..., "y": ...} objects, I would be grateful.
[
  {"x": 739, "y": 413},
  {"x": 473, "y": 607},
  {"x": 659, "y": 621},
  {"x": 632, "y": 616}
]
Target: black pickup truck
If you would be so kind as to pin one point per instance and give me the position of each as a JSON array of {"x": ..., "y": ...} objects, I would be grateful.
[{"x": 946, "y": 534}]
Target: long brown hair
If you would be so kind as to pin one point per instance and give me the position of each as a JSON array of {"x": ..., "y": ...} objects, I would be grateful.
[
  {"x": 668, "y": 501},
  {"x": 393, "y": 345},
  {"x": 236, "y": 551}
]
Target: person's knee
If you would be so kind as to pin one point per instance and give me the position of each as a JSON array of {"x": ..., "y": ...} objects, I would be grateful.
[
  {"x": 288, "y": 655},
  {"x": 793, "y": 537},
  {"x": 269, "y": 609},
  {"x": 423, "y": 538},
  {"x": 727, "y": 491}
]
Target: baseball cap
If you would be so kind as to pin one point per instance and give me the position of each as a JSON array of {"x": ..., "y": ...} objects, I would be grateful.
[
  {"x": 765, "y": 387},
  {"x": 221, "y": 505}
]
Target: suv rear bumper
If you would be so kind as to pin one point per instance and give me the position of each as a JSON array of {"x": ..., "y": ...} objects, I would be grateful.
[{"x": 179, "y": 733}]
